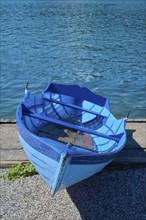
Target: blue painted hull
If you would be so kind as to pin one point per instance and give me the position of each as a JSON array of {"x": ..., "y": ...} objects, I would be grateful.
[
  {"x": 60, "y": 174},
  {"x": 62, "y": 165}
]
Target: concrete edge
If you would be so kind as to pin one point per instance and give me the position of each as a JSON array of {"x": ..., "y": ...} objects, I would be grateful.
[
  {"x": 7, "y": 121},
  {"x": 9, "y": 163},
  {"x": 13, "y": 121},
  {"x": 136, "y": 120}
]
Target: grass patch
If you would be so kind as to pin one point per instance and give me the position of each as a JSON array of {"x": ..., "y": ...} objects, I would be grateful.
[{"x": 17, "y": 171}]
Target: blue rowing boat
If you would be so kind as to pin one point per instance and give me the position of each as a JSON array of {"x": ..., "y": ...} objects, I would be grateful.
[{"x": 68, "y": 133}]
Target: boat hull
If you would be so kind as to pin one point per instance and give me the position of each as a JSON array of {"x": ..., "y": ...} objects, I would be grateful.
[
  {"x": 74, "y": 173},
  {"x": 64, "y": 172},
  {"x": 68, "y": 133},
  {"x": 48, "y": 168}
]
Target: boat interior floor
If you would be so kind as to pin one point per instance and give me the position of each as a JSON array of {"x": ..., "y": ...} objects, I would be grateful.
[{"x": 65, "y": 135}]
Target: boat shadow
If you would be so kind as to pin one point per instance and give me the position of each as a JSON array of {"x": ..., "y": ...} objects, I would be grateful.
[
  {"x": 131, "y": 142},
  {"x": 110, "y": 193},
  {"x": 133, "y": 152}
]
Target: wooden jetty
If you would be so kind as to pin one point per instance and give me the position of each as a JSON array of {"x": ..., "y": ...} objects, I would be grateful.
[{"x": 133, "y": 153}]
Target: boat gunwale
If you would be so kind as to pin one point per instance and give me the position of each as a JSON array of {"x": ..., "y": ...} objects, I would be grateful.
[
  {"x": 77, "y": 91},
  {"x": 87, "y": 152},
  {"x": 95, "y": 153}
]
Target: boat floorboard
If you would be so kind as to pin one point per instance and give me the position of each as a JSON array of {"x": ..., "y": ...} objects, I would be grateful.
[{"x": 133, "y": 153}]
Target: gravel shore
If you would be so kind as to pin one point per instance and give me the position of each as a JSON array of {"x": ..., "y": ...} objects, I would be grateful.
[{"x": 115, "y": 193}]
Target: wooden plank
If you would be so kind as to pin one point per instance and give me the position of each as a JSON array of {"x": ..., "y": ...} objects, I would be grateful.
[
  {"x": 136, "y": 135},
  {"x": 11, "y": 154},
  {"x": 130, "y": 156},
  {"x": 76, "y": 138},
  {"x": 9, "y": 163},
  {"x": 134, "y": 151},
  {"x": 9, "y": 137}
]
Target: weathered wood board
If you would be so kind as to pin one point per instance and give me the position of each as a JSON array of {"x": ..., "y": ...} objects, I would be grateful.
[{"x": 134, "y": 151}]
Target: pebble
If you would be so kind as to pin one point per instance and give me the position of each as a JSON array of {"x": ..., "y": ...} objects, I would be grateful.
[{"x": 116, "y": 194}]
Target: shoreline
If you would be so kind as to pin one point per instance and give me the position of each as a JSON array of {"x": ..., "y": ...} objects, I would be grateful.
[
  {"x": 13, "y": 121},
  {"x": 134, "y": 151}
]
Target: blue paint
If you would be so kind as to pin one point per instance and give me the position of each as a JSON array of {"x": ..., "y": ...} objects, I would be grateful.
[
  {"x": 73, "y": 106},
  {"x": 74, "y": 173},
  {"x": 30, "y": 114},
  {"x": 76, "y": 92},
  {"x": 41, "y": 122},
  {"x": 40, "y": 162}
]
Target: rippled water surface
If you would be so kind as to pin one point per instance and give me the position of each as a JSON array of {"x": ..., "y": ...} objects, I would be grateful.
[{"x": 98, "y": 44}]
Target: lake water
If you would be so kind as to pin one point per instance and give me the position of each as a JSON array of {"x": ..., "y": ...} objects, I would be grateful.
[{"x": 98, "y": 44}]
